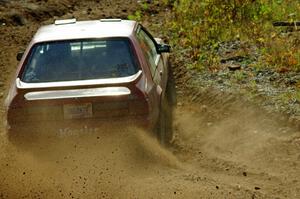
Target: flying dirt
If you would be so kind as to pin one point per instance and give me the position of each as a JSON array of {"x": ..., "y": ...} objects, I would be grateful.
[
  {"x": 241, "y": 155},
  {"x": 223, "y": 147}
]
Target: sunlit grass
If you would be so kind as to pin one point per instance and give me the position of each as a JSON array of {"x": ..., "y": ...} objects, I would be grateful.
[{"x": 202, "y": 25}]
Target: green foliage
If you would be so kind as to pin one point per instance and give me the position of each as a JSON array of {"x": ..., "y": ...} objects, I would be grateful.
[
  {"x": 145, "y": 6},
  {"x": 290, "y": 96},
  {"x": 167, "y": 2},
  {"x": 201, "y": 25},
  {"x": 282, "y": 52},
  {"x": 137, "y": 16},
  {"x": 239, "y": 75}
]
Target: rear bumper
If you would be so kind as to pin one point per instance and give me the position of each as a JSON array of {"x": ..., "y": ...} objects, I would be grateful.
[{"x": 89, "y": 124}]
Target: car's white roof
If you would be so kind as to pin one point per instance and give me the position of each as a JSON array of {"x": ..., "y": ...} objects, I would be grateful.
[{"x": 85, "y": 29}]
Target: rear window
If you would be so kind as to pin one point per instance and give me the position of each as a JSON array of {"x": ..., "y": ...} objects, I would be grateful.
[{"x": 79, "y": 60}]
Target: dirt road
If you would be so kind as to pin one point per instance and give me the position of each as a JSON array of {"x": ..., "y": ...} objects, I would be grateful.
[{"x": 223, "y": 147}]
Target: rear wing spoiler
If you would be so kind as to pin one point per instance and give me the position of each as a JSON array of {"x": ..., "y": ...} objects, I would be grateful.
[
  {"x": 77, "y": 93},
  {"x": 78, "y": 83}
]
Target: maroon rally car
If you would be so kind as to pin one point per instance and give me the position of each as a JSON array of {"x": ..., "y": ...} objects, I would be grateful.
[{"x": 93, "y": 72}]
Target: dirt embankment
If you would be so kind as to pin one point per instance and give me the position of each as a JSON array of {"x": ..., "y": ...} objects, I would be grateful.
[{"x": 223, "y": 148}]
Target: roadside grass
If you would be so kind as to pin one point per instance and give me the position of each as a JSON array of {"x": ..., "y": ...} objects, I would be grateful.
[
  {"x": 201, "y": 26},
  {"x": 136, "y": 16},
  {"x": 282, "y": 52},
  {"x": 202, "y": 31},
  {"x": 290, "y": 97}
]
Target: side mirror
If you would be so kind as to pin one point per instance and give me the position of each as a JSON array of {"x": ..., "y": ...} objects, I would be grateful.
[
  {"x": 163, "y": 48},
  {"x": 20, "y": 55}
]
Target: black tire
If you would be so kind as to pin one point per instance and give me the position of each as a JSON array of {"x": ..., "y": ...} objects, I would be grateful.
[
  {"x": 165, "y": 131},
  {"x": 171, "y": 88},
  {"x": 165, "y": 123}
]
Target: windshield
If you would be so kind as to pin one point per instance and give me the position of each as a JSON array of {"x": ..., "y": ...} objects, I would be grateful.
[{"x": 79, "y": 60}]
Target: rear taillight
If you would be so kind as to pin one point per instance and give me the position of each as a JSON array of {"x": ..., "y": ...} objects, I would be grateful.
[{"x": 33, "y": 113}]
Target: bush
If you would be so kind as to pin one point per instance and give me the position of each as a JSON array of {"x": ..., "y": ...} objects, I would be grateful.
[{"x": 201, "y": 25}]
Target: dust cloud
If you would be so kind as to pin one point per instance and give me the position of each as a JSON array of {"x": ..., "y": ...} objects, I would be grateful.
[
  {"x": 216, "y": 153},
  {"x": 81, "y": 163}
]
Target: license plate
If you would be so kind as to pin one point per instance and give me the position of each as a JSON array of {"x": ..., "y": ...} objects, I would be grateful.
[{"x": 74, "y": 111}]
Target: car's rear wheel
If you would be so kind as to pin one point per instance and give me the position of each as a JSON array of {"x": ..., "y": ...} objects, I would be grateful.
[
  {"x": 165, "y": 131},
  {"x": 171, "y": 88},
  {"x": 165, "y": 127}
]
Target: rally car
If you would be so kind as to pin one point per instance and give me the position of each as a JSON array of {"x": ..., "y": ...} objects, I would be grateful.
[{"x": 93, "y": 72}]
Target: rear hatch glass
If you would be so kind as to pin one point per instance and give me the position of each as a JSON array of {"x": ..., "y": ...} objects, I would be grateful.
[{"x": 79, "y": 60}]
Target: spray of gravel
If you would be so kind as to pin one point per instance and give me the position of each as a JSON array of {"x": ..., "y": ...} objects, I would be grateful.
[
  {"x": 129, "y": 163},
  {"x": 97, "y": 164},
  {"x": 242, "y": 135}
]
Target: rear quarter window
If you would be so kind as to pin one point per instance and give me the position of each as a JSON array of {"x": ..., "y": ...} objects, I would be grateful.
[{"x": 148, "y": 49}]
